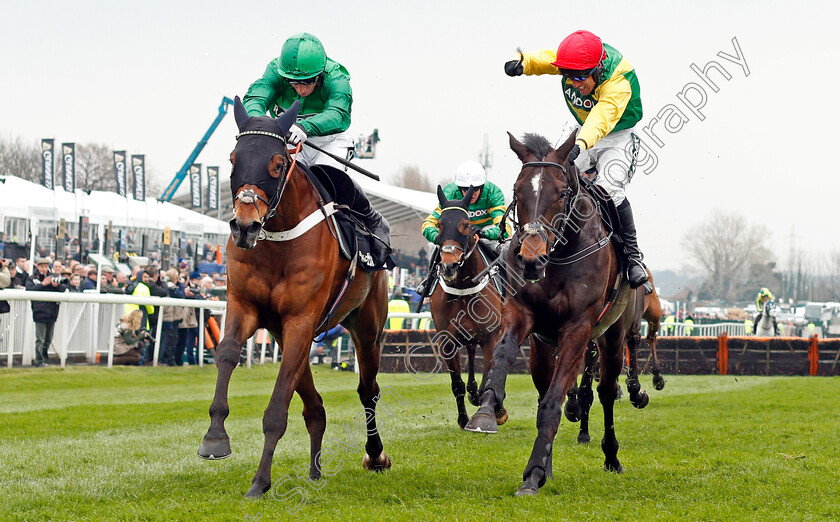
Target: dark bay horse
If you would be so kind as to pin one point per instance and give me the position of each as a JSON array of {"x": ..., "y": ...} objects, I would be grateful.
[
  {"x": 287, "y": 286},
  {"x": 579, "y": 399},
  {"x": 561, "y": 249},
  {"x": 465, "y": 306}
]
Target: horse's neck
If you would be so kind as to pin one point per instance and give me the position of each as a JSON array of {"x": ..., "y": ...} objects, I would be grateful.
[{"x": 297, "y": 202}]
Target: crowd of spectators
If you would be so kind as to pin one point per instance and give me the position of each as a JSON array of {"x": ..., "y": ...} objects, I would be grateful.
[{"x": 179, "y": 343}]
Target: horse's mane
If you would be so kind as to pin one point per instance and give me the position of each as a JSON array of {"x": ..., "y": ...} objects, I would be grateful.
[{"x": 537, "y": 144}]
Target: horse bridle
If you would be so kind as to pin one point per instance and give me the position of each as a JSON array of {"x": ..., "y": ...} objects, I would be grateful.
[
  {"x": 451, "y": 249},
  {"x": 535, "y": 227},
  {"x": 249, "y": 197}
]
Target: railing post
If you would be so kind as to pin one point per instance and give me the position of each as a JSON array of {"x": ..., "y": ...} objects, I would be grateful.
[
  {"x": 723, "y": 354},
  {"x": 157, "y": 336},
  {"x": 111, "y": 337},
  {"x": 201, "y": 328},
  {"x": 814, "y": 355}
]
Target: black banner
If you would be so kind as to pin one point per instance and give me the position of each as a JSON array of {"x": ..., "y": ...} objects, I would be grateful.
[
  {"x": 213, "y": 188},
  {"x": 195, "y": 184},
  {"x": 68, "y": 159},
  {"x": 138, "y": 167},
  {"x": 47, "y": 179},
  {"x": 119, "y": 171}
]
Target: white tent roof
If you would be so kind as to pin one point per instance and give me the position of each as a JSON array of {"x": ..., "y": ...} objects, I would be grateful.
[{"x": 24, "y": 199}]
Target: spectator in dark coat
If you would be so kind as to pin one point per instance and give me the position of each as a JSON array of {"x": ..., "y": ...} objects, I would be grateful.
[{"x": 44, "y": 313}]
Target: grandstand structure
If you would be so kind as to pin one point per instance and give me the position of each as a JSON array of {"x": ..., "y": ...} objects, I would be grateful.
[{"x": 27, "y": 207}]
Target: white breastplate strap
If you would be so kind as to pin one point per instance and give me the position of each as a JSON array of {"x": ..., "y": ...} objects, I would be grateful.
[
  {"x": 465, "y": 291},
  {"x": 301, "y": 228}
]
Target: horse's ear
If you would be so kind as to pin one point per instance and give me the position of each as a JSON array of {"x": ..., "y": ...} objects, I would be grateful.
[
  {"x": 465, "y": 201},
  {"x": 441, "y": 198},
  {"x": 567, "y": 145},
  {"x": 239, "y": 113},
  {"x": 521, "y": 150},
  {"x": 285, "y": 120}
]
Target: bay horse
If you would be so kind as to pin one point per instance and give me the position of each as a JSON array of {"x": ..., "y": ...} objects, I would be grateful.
[
  {"x": 287, "y": 287},
  {"x": 579, "y": 399},
  {"x": 574, "y": 292},
  {"x": 464, "y": 305}
]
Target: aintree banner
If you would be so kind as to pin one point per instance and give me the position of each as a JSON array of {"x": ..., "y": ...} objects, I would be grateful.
[
  {"x": 119, "y": 171},
  {"x": 47, "y": 163},
  {"x": 213, "y": 188},
  {"x": 138, "y": 167},
  {"x": 195, "y": 184},
  {"x": 68, "y": 159}
]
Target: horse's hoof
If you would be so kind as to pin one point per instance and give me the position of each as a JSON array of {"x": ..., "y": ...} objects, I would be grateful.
[
  {"x": 658, "y": 381},
  {"x": 583, "y": 438},
  {"x": 572, "y": 411},
  {"x": 526, "y": 492},
  {"x": 640, "y": 400},
  {"x": 482, "y": 422},
  {"x": 214, "y": 449},
  {"x": 501, "y": 417},
  {"x": 615, "y": 467},
  {"x": 463, "y": 420},
  {"x": 256, "y": 491},
  {"x": 381, "y": 464}
]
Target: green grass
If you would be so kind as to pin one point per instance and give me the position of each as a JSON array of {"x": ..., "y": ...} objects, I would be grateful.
[{"x": 89, "y": 443}]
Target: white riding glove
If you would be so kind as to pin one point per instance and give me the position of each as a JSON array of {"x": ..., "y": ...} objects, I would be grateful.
[{"x": 297, "y": 135}]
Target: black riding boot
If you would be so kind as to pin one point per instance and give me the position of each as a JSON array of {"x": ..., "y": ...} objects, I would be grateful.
[
  {"x": 379, "y": 227},
  {"x": 636, "y": 272},
  {"x": 426, "y": 284}
]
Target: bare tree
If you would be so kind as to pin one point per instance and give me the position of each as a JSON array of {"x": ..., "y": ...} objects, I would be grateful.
[
  {"x": 410, "y": 177},
  {"x": 95, "y": 167},
  {"x": 725, "y": 246},
  {"x": 20, "y": 159}
]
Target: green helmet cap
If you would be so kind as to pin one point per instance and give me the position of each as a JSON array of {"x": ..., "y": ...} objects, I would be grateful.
[{"x": 302, "y": 57}]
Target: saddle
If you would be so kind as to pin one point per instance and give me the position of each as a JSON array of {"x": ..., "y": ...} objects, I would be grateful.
[{"x": 354, "y": 237}]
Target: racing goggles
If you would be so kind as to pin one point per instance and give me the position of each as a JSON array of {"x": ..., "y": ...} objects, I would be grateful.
[
  {"x": 578, "y": 76},
  {"x": 304, "y": 81}
]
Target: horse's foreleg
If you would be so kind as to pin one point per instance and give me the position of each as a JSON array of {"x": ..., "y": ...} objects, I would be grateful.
[
  {"x": 292, "y": 367},
  {"x": 638, "y": 397},
  {"x": 315, "y": 418},
  {"x": 240, "y": 325},
  {"x": 585, "y": 395},
  {"x": 472, "y": 386},
  {"x": 492, "y": 399},
  {"x": 458, "y": 388},
  {"x": 611, "y": 365},
  {"x": 572, "y": 343}
]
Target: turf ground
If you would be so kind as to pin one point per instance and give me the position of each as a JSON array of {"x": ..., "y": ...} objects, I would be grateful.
[{"x": 89, "y": 443}]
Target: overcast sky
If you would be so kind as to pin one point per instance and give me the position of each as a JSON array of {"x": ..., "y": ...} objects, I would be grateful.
[{"x": 149, "y": 76}]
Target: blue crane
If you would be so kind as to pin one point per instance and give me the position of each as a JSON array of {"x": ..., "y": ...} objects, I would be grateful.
[{"x": 181, "y": 174}]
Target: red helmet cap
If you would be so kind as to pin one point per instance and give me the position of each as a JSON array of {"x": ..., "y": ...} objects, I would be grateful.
[{"x": 579, "y": 51}]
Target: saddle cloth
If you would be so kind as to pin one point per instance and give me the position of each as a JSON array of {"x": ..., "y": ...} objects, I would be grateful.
[{"x": 354, "y": 237}]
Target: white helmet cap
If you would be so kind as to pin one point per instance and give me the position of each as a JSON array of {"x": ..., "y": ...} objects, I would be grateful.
[{"x": 470, "y": 173}]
